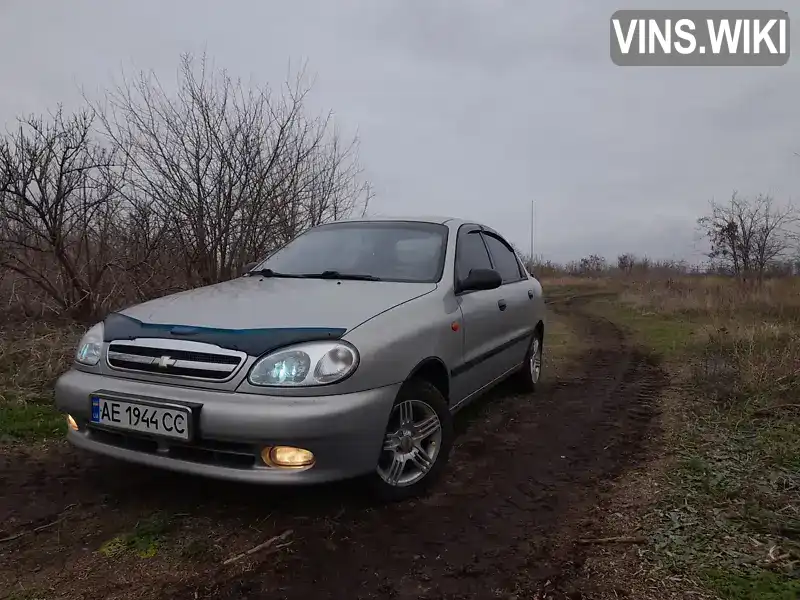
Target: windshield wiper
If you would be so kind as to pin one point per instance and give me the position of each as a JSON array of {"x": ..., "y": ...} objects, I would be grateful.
[
  {"x": 322, "y": 275},
  {"x": 338, "y": 275},
  {"x": 271, "y": 273}
]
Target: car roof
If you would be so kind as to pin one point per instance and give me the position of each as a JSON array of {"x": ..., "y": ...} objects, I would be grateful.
[
  {"x": 438, "y": 219},
  {"x": 452, "y": 223}
]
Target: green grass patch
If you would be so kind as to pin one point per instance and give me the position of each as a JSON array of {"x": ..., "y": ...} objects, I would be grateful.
[
  {"x": 668, "y": 336},
  {"x": 747, "y": 585},
  {"x": 144, "y": 540},
  {"x": 730, "y": 516},
  {"x": 730, "y": 504},
  {"x": 25, "y": 421},
  {"x": 32, "y": 356}
]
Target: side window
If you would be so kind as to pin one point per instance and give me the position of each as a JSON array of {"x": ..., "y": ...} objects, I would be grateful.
[
  {"x": 523, "y": 269},
  {"x": 505, "y": 261},
  {"x": 471, "y": 254}
]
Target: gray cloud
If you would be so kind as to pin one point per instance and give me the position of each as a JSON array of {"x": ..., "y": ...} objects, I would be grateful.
[{"x": 468, "y": 108}]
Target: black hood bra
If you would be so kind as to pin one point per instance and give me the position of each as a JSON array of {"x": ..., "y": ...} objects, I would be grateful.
[{"x": 254, "y": 342}]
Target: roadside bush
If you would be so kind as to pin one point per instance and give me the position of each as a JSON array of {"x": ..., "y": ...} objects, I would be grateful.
[{"x": 150, "y": 192}]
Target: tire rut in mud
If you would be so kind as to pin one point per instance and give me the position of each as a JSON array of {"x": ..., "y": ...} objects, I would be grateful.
[{"x": 524, "y": 476}]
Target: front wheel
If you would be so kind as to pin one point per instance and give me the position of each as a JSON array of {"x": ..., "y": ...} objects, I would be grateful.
[{"x": 416, "y": 443}]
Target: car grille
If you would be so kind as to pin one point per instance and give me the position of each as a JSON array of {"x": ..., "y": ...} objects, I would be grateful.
[
  {"x": 177, "y": 358},
  {"x": 207, "y": 452}
]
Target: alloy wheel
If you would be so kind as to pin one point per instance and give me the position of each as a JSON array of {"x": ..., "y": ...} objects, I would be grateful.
[
  {"x": 536, "y": 360},
  {"x": 411, "y": 444}
]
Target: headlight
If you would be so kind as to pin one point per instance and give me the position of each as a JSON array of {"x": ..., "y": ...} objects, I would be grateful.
[
  {"x": 90, "y": 346},
  {"x": 313, "y": 363}
]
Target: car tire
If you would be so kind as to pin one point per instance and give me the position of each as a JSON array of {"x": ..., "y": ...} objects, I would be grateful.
[
  {"x": 530, "y": 374},
  {"x": 416, "y": 446}
]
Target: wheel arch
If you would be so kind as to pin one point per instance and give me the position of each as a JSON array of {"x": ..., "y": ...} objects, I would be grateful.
[{"x": 433, "y": 370}]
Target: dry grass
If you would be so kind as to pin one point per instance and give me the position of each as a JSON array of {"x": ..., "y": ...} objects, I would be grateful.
[
  {"x": 562, "y": 343},
  {"x": 726, "y": 514},
  {"x": 32, "y": 356},
  {"x": 716, "y": 298},
  {"x": 561, "y": 283}
]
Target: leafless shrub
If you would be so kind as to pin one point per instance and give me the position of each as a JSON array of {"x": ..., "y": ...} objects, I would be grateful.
[
  {"x": 540, "y": 267},
  {"x": 173, "y": 191},
  {"x": 749, "y": 235},
  {"x": 230, "y": 173},
  {"x": 626, "y": 263},
  {"x": 592, "y": 265},
  {"x": 58, "y": 203}
]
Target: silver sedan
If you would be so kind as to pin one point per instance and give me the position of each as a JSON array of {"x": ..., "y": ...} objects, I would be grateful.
[{"x": 343, "y": 354}]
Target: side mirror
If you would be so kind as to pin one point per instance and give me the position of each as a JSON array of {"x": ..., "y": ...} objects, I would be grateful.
[
  {"x": 481, "y": 279},
  {"x": 249, "y": 267}
]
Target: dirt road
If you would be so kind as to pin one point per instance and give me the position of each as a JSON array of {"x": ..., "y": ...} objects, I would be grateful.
[{"x": 524, "y": 477}]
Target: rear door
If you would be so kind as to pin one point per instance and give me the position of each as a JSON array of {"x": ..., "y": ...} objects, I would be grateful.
[
  {"x": 518, "y": 294},
  {"x": 486, "y": 325}
]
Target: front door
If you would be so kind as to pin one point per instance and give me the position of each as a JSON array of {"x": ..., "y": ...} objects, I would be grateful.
[{"x": 487, "y": 326}]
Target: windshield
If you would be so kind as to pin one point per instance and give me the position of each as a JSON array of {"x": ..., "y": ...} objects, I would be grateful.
[{"x": 388, "y": 250}]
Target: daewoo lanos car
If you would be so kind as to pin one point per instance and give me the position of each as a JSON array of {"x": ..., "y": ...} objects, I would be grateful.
[{"x": 345, "y": 353}]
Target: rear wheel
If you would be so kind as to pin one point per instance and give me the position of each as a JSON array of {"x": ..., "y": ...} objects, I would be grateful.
[
  {"x": 416, "y": 443},
  {"x": 527, "y": 378}
]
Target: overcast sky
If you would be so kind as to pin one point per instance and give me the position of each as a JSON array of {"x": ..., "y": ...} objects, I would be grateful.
[{"x": 468, "y": 108}]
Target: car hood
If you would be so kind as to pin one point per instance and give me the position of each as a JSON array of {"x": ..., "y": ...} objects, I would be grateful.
[{"x": 256, "y": 302}]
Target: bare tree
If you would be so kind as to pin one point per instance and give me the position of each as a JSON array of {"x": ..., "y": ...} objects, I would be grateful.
[
  {"x": 749, "y": 235},
  {"x": 626, "y": 262},
  {"x": 231, "y": 173},
  {"x": 57, "y": 204},
  {"x": 592, "y": 265},
  {"x": 174, "y": 190}
]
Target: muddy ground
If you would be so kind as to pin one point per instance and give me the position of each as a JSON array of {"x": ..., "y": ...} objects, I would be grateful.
[{"x": 521, "y": 490}]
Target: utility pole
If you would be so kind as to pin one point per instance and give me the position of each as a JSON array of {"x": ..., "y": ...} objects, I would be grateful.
[{"x": 533, "y": 223}]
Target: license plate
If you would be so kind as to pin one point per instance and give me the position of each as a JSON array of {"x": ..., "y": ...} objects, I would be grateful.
[{"x": 154, "y": 419}]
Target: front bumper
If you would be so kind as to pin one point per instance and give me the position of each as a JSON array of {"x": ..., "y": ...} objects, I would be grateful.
[{"x": 345, "y": 432}]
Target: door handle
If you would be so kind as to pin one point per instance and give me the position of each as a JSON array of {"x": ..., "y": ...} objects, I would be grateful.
[
  {"x": 501, "y": 304},
  {"x": 530, "y": 294}
]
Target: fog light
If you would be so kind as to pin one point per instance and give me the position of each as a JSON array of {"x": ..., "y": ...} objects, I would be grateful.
[
  {"x": 71, "y": 423},
  {"x": 287, "y": 457}
]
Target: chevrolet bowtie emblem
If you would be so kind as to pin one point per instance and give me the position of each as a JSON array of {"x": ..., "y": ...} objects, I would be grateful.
[{"x": 166, "y": 361}]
